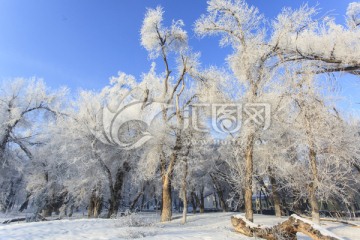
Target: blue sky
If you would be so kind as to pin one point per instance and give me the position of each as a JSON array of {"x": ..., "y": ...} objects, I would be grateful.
[{"x": 80, "y": 44}]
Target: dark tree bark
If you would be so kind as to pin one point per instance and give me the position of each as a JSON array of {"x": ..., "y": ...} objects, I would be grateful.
[
  {"x": 220, "y": 193},
  {"x": 275, "y": 196},
  {"x": 25, "y": 203},
  {"x": 202, "y": 203},
  {"x": 136, "y": 199},
  {"x": 194, "y": 201},
  {"x": 115, "y": 191}
]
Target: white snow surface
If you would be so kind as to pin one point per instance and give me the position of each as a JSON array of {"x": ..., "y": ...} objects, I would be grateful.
[{"x": 145, "y": 225}]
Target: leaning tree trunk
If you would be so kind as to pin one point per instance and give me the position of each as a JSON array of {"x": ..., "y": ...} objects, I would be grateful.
[
  {"x": 135, "y": 201},
  {"x": 223, "y": 205},
  {"x": 248, "y": 178},
  {"x": 25, "y": 203},
  {"x": 10, "y": 198}
]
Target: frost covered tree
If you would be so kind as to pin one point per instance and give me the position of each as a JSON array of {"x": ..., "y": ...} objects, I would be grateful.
[
  {"x": 171, "y": 45},
  {"x": 93, "y": 153},
  {"x": 262, "y": 50},
  {"x": 25, "y": 106},
  {"x": 149, "y": 140}
]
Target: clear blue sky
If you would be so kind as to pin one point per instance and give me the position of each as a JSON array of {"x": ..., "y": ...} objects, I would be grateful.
[{"x": 81, "y": 43}]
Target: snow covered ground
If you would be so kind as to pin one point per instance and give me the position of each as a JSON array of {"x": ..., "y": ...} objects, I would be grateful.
[{"x": 145, "y": 225}]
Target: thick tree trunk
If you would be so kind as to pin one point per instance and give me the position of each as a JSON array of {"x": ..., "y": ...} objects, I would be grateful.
[
  {"x": 115, "y": 191},
  {"x": 166, "y": 206},
  {"x": 167, "y": 173},
  {"x": 248, "y": 178}
]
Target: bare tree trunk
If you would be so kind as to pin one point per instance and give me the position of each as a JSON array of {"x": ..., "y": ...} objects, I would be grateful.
[
  {"x": 167, "y": 173},
  {"x": 26, "y": 203},
  {"x": 97, "y": 207},
  {"x": 184, "y": 191},
  {"x": 95, "y": 203},
  {"x": 3, "y": 143},
  {"x": 220, "y": 194},
  {"x": 202, "y": 204},
  {"x": 275, "y": 196},
  {"x": 115, "y": 191},
  {"x": 193, "y": 202},
  {"x": 184, "y": 214},
  {"x": 223, "y": 205},
  {"x": 46, "y": 212},
  {"x": 134, "y": 202},
  {"x": 166, "y": 209},
  {"x": 313, "y": 187},
  {"x": 142, "y": 202},
  {"x": 216, "y": 201},
  {"x": 314, "y": 172},
  {"x": 10, "y": 198},
  {"x": 248, "y": 178}
]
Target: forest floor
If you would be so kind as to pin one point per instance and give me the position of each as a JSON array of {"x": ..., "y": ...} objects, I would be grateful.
[{"x": 145, "y": 225}]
